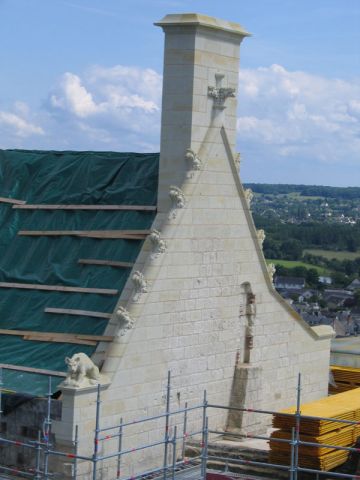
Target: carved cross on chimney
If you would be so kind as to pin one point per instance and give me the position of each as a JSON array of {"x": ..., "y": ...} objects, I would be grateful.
[{"x": 219, "y": 93}]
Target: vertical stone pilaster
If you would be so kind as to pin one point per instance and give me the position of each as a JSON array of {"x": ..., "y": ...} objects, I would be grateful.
[
  {"x": 201, "y": 63},
  {"x": 246, "y": 393}
]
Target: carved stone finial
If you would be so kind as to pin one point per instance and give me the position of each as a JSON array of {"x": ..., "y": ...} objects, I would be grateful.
[
  {"x": 158, "y": 244},
  {"x": 219, "y": 93},
  {"x": 177, "y": 198},
  {"x": 127, "y": 322},
  {"x": 82, "y": 372},
  {"x": 261, "y": 236},
  {"x": 271, "y": 270},
  {"x": 140, "y": 284},
  {"x": 193, "y": 160},
  {"x": 249, "y": 196}
]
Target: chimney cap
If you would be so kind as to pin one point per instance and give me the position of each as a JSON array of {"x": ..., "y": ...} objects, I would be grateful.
[{"x": 197, "y": 19}]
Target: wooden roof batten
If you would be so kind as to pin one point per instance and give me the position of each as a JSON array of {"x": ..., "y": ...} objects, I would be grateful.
[
  {"x": 59, "y": 288},
  {"x": 106, "y": 263},
  {"x": 71, "y": 311},
  {"x": 13, "y": 201},
  {"x": 43, "y": 206},
  {"x": 38, "y": 371},
  {"x": 109, "y": 234},
  {"x": 58, "y": 337}
]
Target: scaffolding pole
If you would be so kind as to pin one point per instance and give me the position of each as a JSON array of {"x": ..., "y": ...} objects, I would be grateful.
[
  {"x": 96, "y": 436},
  {"x": 174, "y": 443},
  {"x": 167, "y": 420}
]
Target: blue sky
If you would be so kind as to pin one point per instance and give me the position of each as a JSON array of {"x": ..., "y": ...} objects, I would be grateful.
[{"x": 86, "y": 74}]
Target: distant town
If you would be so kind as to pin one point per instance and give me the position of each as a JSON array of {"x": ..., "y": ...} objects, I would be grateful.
[{"x": 313, "y": 239}]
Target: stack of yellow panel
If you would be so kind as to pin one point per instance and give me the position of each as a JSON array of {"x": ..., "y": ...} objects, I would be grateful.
[
  {"x": 346, "y": 378},
  {"x": 344, "y": 406}
]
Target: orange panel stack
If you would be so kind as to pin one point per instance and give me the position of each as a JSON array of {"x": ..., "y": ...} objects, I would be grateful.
[
  {"x": 346, "y": 378},
  {"x": 344, "y": 406}
]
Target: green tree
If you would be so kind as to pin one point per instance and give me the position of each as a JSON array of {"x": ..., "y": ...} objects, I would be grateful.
[
  {"x": 292, "y": 249},
  {"x": 357, "y": 298},
  {"x": 312, "y": 277}
]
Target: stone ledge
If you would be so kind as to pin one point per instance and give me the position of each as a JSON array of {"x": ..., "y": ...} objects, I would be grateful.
[
  {"x": 84, "y": 390},
  {"x": 323, "y": 332},
  {"x": 196, "y": 19}
]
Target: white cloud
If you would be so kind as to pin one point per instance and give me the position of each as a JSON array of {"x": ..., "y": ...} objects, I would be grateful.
[
  {"x": 16, "y": 124},
  {"x": 73, "y": 97},
  {"x": 299, "y": 116},
  {"x": 287, "y": 121},
  {"x": 117, "y": 108}
]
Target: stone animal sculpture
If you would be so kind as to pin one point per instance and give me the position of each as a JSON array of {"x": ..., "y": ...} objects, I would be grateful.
[
  {"x": 82, "y": 371},
  {"x": 158, "y": 244},
  {"x": 177, "y": 197},
  {"x": 140, "y": 284},
  {"x": 261, "y": 236},
  {"x": 127, "y": 322},
  {"x": 193, "y": 160},
  {"x": 248, "y": 196},
  {"x": 271, "y": 270}
]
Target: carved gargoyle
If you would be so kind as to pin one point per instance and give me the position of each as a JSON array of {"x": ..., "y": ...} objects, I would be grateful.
[
  {"x": 249, "y": 196},
  {"x": 127, "y": 322},
  {"x": 140, "y": 284},
  {"x": 177, "y": 198},
  {"x": 193, "y": 160},
  {"x": 271, "y": 270},
  {"x": 82, "y": 371},
  {"x": 158, "y": 244},
  {"x": 261, "y": 236}
]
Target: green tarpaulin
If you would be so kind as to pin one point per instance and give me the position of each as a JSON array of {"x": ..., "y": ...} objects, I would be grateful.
[{"x": 37, "y": 177}]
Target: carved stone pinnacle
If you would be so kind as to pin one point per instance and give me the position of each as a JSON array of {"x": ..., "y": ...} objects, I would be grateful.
[
  {"x": 127, "y": 322},
  {"x": 158, "y": 244},
  {"x": 140, "y": 284}
]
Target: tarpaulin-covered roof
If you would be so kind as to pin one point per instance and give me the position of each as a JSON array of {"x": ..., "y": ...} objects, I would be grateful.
[{"x": 65, "y": 178}]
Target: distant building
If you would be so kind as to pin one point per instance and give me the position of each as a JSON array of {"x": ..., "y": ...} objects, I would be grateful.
[
  {"x": 337, "y": 297},
  {"x": 325, "y": 280},
  {"x": 290, "y": 283},
  {"x": 354, "y": 285}
]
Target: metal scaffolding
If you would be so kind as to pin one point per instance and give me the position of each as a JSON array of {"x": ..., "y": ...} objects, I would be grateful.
[{"x": 173, "y": 443}]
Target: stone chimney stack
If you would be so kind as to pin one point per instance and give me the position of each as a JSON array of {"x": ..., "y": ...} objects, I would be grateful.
[{"x": 201, "y": 63}]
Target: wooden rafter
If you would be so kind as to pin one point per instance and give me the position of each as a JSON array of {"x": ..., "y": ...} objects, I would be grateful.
[
  {"x": 59, "y": 288},
  {"x": 39, "y": 371},
  {"x": 13, "y": 201},
  {"x": 84, "y": 207},
  {"x": 70, "y": 311},
  {"x": 110, "y": 263},
  {"x": 110, "y": 234},
  {"x": 58, "y": 337}
]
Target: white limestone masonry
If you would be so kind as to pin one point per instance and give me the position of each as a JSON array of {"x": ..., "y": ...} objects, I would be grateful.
[{"x": 191, "y": 315}]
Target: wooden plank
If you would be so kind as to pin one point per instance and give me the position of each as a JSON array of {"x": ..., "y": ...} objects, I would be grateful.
[
  {"x": 29, "y": 206},
  {"x": 13, "y": 201},
  {"x": 124, "y": 234},
  {"x": 38, "y": 371},
  {"x": 80, "y": 336},
  {"x": 96, "y": 338},
  {"x": 51, "y": 338},
  {"x": 110, "y": 263},
  {"x": 59, "y": 288},
  {"x": 69, "y": 311}
]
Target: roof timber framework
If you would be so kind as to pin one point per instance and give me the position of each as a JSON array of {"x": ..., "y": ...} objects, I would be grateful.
[{"x": 66, "y": 251}]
